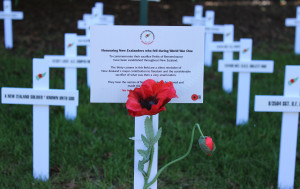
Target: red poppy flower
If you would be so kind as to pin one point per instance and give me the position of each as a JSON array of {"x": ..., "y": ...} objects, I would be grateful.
[
  {"x": 292, "y": 80},
  {"x": 150, "y": 98},
  {"x": 40, "y": 75}
]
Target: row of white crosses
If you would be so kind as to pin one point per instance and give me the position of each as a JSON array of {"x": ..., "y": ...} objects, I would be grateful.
[
  {"x": 295, "y": 22},
  {"x": 289, "y": 104},
  {"x": 71, "y": 60},
  {"x": 41, "y": 97},
  {"x": 8, "y": 15},
  {"x": 96, "y": 18},
  {"x": 244, "y": 66}
]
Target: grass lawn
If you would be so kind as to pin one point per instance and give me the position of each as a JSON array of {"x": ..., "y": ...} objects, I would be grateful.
[{"x": 94, "y": 151}]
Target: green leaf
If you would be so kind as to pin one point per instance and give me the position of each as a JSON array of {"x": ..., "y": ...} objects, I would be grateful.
[
  {"x": 157, "y": 137},
  {"x": 143, "y": 153},
  {"x": 141, "y": 168},
  {"x": 149, "y": 128},
  {"x": 146, "y": 142}
]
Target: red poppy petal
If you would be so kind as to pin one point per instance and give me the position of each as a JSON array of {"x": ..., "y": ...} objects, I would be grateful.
[{"x": 209, "y": 143}]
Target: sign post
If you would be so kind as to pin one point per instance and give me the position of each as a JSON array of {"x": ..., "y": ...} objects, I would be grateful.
[
  {"x": 40, "y": 96},
  {"x": 8, "y": 15},
  {"x": 289, "y": 104},
  {"x": 146, "y": 52}
]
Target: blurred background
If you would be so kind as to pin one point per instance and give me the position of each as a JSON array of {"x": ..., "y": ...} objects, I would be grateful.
[{"x": 46, "y": 21}]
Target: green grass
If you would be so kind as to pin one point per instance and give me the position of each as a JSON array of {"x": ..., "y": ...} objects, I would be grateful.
[{"x": 94, "y": 151}]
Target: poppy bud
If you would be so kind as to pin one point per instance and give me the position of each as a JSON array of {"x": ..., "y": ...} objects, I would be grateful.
[{"x": 207, "y": 145}]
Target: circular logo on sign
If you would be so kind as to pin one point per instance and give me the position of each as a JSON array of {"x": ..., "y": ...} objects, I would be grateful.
[
  {"x": 194, "y": 97},
  {"x": 147, "y": 37}
]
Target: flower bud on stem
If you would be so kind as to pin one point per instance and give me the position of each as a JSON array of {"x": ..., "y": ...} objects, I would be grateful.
[{"x": 146, "y": 184}]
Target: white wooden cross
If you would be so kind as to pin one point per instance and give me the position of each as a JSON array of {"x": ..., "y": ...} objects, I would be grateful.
[
  {"x": 226, "y": 30},
  {"x": 69, "y": 63},
  {"x": 8, "y": 15},
  {"x": 289, "y": 104},
  {"x": 96, "y": 18},
  {"x": 244, "y": 66},
  {"x": 295, "y": 22},
  {"x": 228, "y": 39},
  {"x": 40, "y": 96}
]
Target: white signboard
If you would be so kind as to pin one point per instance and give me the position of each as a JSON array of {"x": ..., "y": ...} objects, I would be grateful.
[
  {"x": 295, "y": 22},
  {"x": 289, "y": 104},
  {"x": 8, "y": 15},
  {"x": 137, "y": 53}
]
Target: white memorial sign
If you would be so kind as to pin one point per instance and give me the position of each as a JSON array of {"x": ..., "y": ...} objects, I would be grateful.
[
  {"x": 295, "y": 22},
  {"x": 40, "y": 96},
  {"x": 123, "y": 62},
  {"x": 244, "y": 66},
  {"x": 122, "y": 57},
  {"x": 8, "y": 15},
  {"x": 289, "y": 104}
]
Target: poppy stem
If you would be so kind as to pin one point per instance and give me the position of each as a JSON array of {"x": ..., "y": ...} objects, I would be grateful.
[
  {"x": 176, "y": 160},
  {"x": 150, "y": 162},
  {"x": 198, "y": 126}
]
